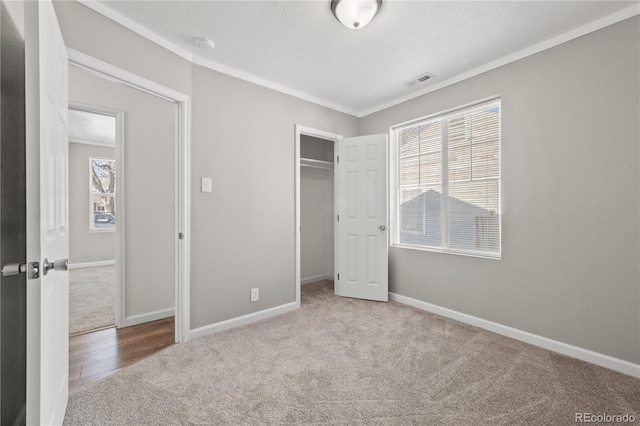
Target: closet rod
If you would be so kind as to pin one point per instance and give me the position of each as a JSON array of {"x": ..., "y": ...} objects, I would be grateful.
[{"x": 318, "y": 164}]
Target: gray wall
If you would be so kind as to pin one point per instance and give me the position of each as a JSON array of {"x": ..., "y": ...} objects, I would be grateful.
[
  {"x": 84, "y": 245},
  {"x": 243, "y": 232},
  {"x": 150, "y": 188},
  {"x": 316, "y": 222},
  {"x": 89, "y": 32},
  {"x": 570, "y": 182},
  {"x": 316, "y": 148}
]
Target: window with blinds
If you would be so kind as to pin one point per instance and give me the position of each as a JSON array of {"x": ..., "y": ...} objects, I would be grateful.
[{"x": 448, "y": 181}]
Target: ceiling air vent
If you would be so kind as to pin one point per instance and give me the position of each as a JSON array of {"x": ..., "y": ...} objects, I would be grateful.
[{"x": 419, "y": 79}]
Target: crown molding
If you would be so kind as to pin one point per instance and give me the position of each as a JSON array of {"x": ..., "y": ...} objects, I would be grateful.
[
  {"x": 111, "y": 14},
  {"x": 532, "y": 50},
  {"x": 130, "y": 24},
  {"x": 270, "y": 85}
]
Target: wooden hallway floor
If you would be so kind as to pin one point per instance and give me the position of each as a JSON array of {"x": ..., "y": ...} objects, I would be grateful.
[{"x": 99, "y": 353}]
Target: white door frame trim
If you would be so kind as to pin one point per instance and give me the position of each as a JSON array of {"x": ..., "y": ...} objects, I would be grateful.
[
  {"x": 120, "y": 201},
  {"x": 299, "y": 131},
  {"x": 182, "y": 167}
]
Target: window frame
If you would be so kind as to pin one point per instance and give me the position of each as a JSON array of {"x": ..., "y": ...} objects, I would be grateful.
[
  {"x": 92, "y": 193},
  {"x": 394, "y": 181}
]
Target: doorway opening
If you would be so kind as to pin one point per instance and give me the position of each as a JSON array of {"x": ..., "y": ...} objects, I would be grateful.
[
  {"x": 129, "y": 190},
  {"x": 316, "y": 208},
  {"x": 96, "y": 200},
  {"x": 171, "y": 181}
]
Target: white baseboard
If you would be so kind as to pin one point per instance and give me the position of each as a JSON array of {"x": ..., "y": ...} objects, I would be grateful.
[
  {"x": 91, "y": 264},
  {"x": 245, "y": 319},
  {"x": 602, "y": 360},
  {"x": 151, "y": 316},
  {"x": 317, "y": 278}
]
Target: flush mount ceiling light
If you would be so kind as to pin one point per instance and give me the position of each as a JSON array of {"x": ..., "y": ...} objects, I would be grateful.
[
  {"x": 205, "y": 44},
  {"x": 355, "y": 14}
]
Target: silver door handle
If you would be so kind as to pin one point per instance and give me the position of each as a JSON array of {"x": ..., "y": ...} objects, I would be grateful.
[
  {"x": 382, "y": 227},
  {"x": 58, "y": 265}
]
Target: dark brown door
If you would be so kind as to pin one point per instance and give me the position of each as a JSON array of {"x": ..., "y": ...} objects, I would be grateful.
[{"x": 12, "y": 223}]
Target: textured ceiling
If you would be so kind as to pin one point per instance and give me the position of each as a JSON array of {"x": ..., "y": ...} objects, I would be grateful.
[{"x": 301, "y": 46}]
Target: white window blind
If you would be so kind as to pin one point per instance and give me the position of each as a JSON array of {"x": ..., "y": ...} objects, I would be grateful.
[{"x": 448, "y": 181}]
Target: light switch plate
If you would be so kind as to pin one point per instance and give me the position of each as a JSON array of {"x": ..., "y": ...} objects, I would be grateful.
[{"x": 205, "y": 184}]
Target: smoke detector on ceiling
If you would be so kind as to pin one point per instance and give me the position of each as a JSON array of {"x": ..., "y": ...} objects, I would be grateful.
[
  {"x": 205, "y": 44},
  {"x": 419, "y": 79}
]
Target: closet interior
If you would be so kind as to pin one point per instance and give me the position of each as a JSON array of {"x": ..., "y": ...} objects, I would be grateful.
[{"x": 317, "y": 215}]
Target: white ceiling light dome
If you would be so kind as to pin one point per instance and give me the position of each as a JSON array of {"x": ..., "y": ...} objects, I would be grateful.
[{"x": 355, "y": 14}]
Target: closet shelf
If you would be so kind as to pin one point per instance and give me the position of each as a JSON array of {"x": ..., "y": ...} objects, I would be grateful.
[{"x": 318, "y": 164}]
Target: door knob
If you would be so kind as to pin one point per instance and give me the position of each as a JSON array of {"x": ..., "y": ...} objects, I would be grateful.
[
  {"x": 382, "y": 227},
  {"x": 58, "y": 265}
]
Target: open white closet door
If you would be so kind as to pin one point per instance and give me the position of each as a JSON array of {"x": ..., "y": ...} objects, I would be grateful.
[
  {"x": 47, "y": 216},
  {"x": 363, "y": 235}
]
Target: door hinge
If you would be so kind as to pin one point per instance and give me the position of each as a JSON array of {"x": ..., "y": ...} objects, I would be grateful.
[
  {"x": 338, "y": 276},
  {"x": 338, "y": 218},
  {"x": 338, "y": 159},
  {"x": 180, "y": 236}
]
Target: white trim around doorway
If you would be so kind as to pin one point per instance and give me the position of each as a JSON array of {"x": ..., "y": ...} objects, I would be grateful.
[{"x": 182, "y": 168}]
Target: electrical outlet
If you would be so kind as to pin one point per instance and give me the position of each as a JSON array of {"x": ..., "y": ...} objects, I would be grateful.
[{"x": 255, "y": 294}]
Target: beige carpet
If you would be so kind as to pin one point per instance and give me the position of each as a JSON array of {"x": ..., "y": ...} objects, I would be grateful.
[
  {"x": 346, "y": 361},
  {"x": 92, "y": 298}
]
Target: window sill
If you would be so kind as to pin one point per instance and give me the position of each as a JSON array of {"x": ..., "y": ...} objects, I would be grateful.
[{"x": 446, "y": 251}]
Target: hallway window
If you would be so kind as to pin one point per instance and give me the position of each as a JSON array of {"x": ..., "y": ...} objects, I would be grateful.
[
  {"x": 102, "y": 181},
  {"x": 447, "y": 182}
]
